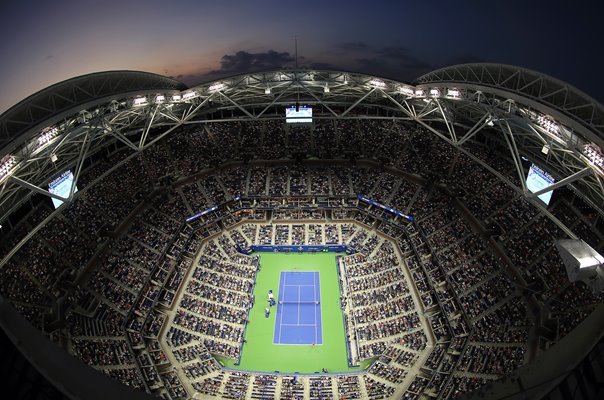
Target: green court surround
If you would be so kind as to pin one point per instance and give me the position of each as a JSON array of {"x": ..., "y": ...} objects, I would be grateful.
[{"x": 260, "y": 354}]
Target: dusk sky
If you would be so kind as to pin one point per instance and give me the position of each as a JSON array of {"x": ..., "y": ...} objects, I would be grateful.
[{"x": 45, "y": 42}]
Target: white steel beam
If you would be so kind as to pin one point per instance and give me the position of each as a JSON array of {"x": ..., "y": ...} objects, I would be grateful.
[
  {"x": 148, "y": 124},
  {"x": 478, "y": 126},
  {"x": 233, "y": 102},
  {"x": 450, "y": 126},
  {"x": 569, "y": 179},
  {"x": 36, "y": 189},
  {"x": 509, "y": 139},
  {"x": 356, "y": 103}
]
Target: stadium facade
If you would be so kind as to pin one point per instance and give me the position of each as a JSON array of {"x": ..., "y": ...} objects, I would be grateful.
[{"x": 479, "y": 129}]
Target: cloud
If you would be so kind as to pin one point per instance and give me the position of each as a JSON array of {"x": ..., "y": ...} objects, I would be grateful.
[
  {"x": 321, "y": 65},
  {"x": 394, "y": 61},
  {"x": 397, "y": 62},
  {"x": 403, "y": 57},
  {"x": 243, "y": 61}
]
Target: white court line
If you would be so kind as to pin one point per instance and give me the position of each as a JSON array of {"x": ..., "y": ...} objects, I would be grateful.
[
  {"x": 319, "y": 300},
  {"x": 298, "y": 305},
  {"x": 299, "y": 285},
  {"x": 314, "y": 295},
  {"x": 281, "y": 320},
  {"x": 298, "y": 324}
]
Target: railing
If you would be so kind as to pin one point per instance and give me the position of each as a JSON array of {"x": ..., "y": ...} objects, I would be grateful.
[
  {"x": 348, "y": 350},
  {"x": 256, "y": 263}
]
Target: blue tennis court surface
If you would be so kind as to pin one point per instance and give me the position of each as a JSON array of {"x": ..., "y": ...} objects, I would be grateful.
[{"x": 298, "y": 319}]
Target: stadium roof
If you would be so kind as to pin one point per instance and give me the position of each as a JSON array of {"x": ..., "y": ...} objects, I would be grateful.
[
  {"x": 531, "y": 115},
  {"x": 50, "y": 105}
]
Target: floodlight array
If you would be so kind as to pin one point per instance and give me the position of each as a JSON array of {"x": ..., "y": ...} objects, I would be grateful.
[
  {"x": 160, "y": 98},
  {"x": 377, "y": 83},
  {"x": 140, "y": 101},
  {"x": 547, "y": 124},
  {"x": 216, "y": 87},
  {"x": 406, "y": 90},
  {"x": 47, "y": 136},
  {"x": 6, "y": 168},
  {"x": 189, "y": 95},
  {"x": 594, "y": 156},
  {"x": 454, "y": 93}
]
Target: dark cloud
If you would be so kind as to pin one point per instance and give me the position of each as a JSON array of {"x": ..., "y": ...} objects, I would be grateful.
[
  {"x": 397, "y": 62},
  {"x": 403, "y": 57},
  {"x": 370, "y": 63},
  {"x": 394, "y": 62},
  {"x": 321, "y": 65},
  {"x": 243, "y": 61}
]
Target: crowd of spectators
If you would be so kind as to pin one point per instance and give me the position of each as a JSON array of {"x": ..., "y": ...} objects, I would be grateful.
[
  {"x": 209, "y": 386},
  {"x": 378, "y": 390},
  {"x": 320, "y": 388},
  {"x": 102, "y": 352},
  {"x": 292, "y": 388},
  {"x": 388, "y": 372},
  {"x": 444, "y": 252},
  {"x": 490, "y": 359}
]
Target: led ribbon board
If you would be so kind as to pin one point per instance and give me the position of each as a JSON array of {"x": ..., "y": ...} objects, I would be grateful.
[
  {"x": 392, "y": 210},
  {"x": 209, "y": 210},
  {"x": 202, "y": 213}
]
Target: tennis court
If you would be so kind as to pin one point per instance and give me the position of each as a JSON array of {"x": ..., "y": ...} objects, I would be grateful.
[{"x": 298, "y": 319}]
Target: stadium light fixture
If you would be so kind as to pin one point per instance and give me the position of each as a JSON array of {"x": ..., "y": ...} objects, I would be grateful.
[
  {"x": 345, "y": 80},
  {"x": 140, "y": 101},
  {"x": 419, "y": 93},
  {"x": 176, "y": 98},
  {"x": 160, "y": 98},
  {"x": 47, "y": 136},
  {"x": 53, "y": 157},
  {"x": 593, "y": 155},
  {"x": 434, "y": 92},
  {"x": 216, "y": 87},
  {"x": 548, "y": 124},
  {"x": 7, "y": 167},
  {"x": 326, "y": 88},
  {"x": 189, "y": 95},
  {"x": 545, "y": 149},
  {"x": 454, "y": 93},
  {"x": 267, "y": 90},
  {"x": 406, "y": 90},
  {"x": 377, "y": 83}
]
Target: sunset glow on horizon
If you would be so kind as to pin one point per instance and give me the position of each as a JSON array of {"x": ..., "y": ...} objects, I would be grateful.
[{"x": 193, "y": 41}]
